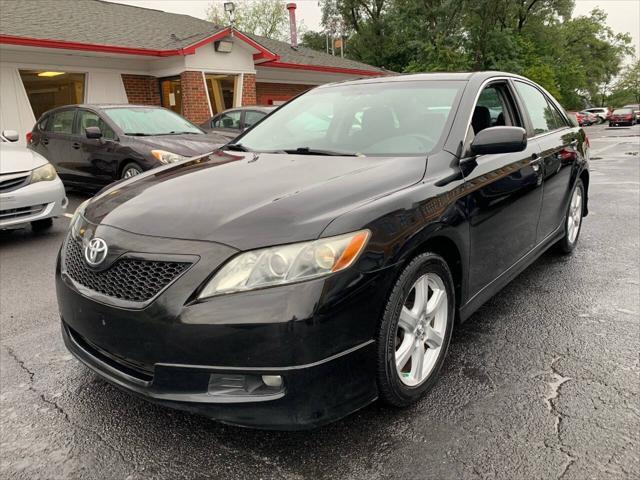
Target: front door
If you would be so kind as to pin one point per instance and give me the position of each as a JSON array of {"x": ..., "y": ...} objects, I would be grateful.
[
  {"x": 505, "y": 193},
  {"x": 95, "y": 160}
]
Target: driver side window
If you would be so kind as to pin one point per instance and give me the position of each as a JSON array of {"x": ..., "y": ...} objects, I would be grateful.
[{"x": 491, "y": 109}]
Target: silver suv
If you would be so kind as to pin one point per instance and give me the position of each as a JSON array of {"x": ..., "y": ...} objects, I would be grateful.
[{"x": 602, "y": 113}]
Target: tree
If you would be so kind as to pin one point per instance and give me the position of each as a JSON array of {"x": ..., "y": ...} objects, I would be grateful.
[
  {"x": 315, "y": 40},
  {"x": 627, "y": 88},
  {"x": 267, "y": 18}
]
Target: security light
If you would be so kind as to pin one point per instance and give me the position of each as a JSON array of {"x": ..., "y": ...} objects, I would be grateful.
[{"x": 229, "y": 7}]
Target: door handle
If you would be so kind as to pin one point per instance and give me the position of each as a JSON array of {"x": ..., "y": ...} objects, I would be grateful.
[
  {"x": 75, "y": 145},
  {"x": 45, "y": 141}
]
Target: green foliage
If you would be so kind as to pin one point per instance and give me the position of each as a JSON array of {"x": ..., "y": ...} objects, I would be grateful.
[
  {"x": 577, "y": 59},
  {"x": 315, "y": 40},
  {"x": 268, "y": 18},
  {"x": 627, "y": 88}
]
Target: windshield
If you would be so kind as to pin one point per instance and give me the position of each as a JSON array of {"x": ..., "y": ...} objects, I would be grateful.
[
  {"x": 386, "y": 118},
  {"x": 622, "y": 111},
  {"x": 150, "y": 121}
]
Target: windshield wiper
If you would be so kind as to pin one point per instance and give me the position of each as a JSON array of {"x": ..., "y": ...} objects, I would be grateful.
[
  {"x": 312, "y": 151},
  {"x": 236, "y": 147},
  {"x": 139, "y": 134},
  {"x": 181, "y": 133}
]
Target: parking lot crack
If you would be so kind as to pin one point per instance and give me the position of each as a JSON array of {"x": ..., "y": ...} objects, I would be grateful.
[
  {"x": 554, "y": 387},
  {"x": 58, "y": 408}
]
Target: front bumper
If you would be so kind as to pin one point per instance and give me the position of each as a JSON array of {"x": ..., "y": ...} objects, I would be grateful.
[
  {"x": 32, "y": 202},
  {"x": 311, "y": 395},
  {"x": 316, "y": 335}
]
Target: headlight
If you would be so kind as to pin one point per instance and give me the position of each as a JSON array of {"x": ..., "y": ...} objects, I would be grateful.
[
  {"x": 76, "y": 215},
  {"x": 167, "y": 157},
  {"x": 287, "y": 264},
  {"x": 45, "y": 173}
]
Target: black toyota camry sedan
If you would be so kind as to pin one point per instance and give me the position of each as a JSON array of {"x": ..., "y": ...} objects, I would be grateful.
[{"x": 322, "y": 260}]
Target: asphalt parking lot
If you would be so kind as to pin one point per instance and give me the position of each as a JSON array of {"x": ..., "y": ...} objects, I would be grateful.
[{"x": 542, "y": 382}]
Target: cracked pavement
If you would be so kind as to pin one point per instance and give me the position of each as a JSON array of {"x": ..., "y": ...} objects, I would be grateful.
[{"x": 542, "y": 382}]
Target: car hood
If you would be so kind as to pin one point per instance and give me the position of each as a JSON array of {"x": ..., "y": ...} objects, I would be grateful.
[
  {"x": 188, "y": 144},
  {"x": 250, "y": 200},
  {"x": 16, "y": 158}
]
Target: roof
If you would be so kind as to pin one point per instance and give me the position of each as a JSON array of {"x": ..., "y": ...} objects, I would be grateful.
[
  {"x": 98, "y": 25},
  {"x": 308, "y": 56}
]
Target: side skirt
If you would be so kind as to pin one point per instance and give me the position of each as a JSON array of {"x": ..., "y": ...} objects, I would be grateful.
[{"x": 512, "y": 272}]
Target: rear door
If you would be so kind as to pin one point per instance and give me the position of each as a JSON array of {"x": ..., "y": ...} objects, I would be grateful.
[
  {"x": 56, "y": 141},
  {"x": 95, "y": 160},
  {"x": 558, "y": 142},
  {"x": 504, "y": 203}
]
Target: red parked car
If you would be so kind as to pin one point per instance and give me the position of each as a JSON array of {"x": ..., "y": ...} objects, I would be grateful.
[
  {"x": 585, "y": 118},
  {"x": 622, "y": 116}
]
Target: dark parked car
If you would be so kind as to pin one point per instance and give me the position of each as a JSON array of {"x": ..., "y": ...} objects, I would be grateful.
[
  {"x": 234, "y": 121},
  {"x": 92, "y": 145},
  {"x": 322, "y": 260},
  {"x": 622, "y": 116}
]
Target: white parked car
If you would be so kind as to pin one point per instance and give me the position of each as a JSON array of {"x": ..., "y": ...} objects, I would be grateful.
[{"x": 30, "y": 190}]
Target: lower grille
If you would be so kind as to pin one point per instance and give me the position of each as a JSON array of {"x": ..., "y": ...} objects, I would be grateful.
[
  {"x": 130, "y": 279},
  {"x": 132, "y": 368},
  {"x": 13, "y": 213}
]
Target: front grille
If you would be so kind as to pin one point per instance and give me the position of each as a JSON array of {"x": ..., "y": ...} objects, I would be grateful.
[
  {"x": 13, "y": 181},
  {"x": 129, "y": 279},
  {"x": 14, "y": 213}
]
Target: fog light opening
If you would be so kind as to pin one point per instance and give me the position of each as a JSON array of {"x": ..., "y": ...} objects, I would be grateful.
[
  {"x": 274, "y": 381},
  {"x": 241, "y": 385}
]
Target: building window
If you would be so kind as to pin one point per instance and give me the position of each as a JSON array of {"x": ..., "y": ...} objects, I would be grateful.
[
  {"x": 221, "y": 90},
  {"x": 171, "y": 93},
  {"x": 49, "y": 89}
]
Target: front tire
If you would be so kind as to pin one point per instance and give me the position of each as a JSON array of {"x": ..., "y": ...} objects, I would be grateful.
[
  {"x": 131, "y": 170},
  {"x": 573, "y": 219},
  {"x": 415, "y": 331}
]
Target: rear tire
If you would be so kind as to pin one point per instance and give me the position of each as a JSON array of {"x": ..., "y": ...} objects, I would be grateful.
[
  {"x": 131, "y": 170},
  {"x": 42, "y": 225},
  {"x": 573, "y": 219},
  {"x": 415, "y": 331}
]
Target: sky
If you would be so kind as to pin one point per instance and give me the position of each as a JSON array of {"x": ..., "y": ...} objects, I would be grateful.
[{"x": 623, "y": 15}]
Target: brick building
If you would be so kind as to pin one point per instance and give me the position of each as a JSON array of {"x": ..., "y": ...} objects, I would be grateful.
[{"x": 94, "y": 51}]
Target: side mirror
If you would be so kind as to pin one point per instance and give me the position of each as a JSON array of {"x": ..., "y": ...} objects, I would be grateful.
[
  {"x": 499, "y": 140},
  {"x": 11, "y": 135},
  {"x": 93, "y": 132}
]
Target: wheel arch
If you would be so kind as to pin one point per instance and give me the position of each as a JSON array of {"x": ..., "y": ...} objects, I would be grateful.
[{"x": 448, "y": 248}]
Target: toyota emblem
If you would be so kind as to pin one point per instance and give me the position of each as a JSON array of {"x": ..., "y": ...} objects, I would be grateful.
[{"x": 96, "y": 251}]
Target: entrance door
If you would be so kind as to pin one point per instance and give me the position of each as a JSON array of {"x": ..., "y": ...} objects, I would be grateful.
[
  {"x": 171, "y": 93},
  {"x": 222, "y": 91}
]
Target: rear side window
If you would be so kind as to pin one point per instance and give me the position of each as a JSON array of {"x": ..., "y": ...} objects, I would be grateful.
[
  {"x": 61, "y": 122},
  {"x": 544, "y": 118},
  {"x": 42, "y": 124}
]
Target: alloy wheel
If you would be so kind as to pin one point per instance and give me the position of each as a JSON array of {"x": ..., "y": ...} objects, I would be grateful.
[
  {"x": 574, "y": 218},
  {"x": 421, "y": 329},
  {"x": 131, "y": 172}
]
